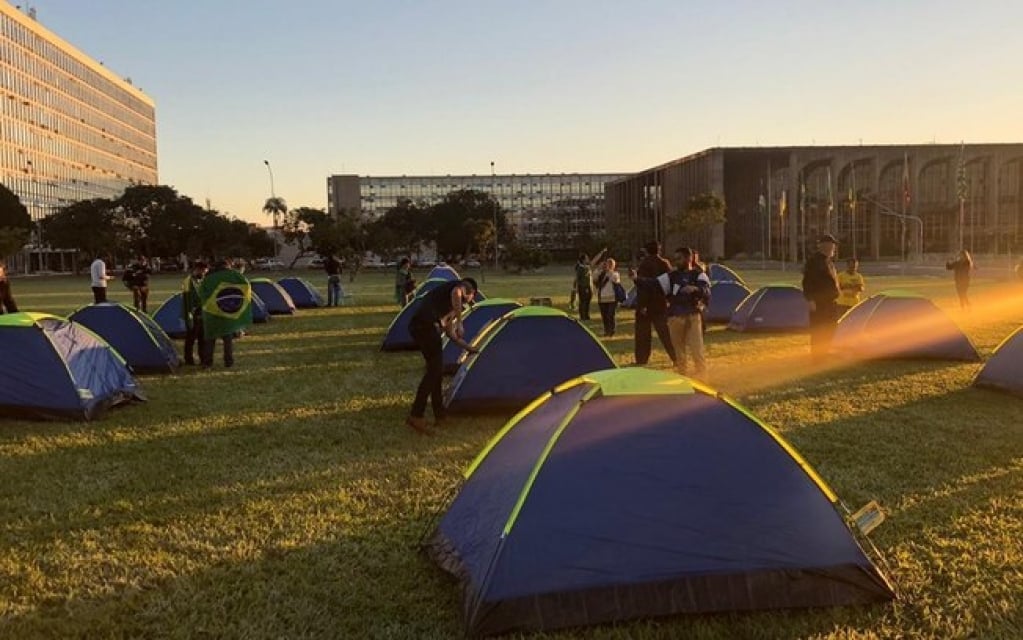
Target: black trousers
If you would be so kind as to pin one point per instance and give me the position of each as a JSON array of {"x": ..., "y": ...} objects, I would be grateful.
[
  {"x": 140, "y": 296},
  {"x": 822, "y": 327},
  {"x": 99, "y": 294},
  {"x": 195, "y": 341},
  {"x": 607, "y": 316},
  {"x": 207, "y": 346},
  {"x": 427, "y": 338},
  {"x": 644, "y": 321},
  {"x": 585, "y": 296}
]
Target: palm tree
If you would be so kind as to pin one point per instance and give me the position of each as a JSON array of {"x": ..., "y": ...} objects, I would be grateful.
[{"x": 275, "y": 207}]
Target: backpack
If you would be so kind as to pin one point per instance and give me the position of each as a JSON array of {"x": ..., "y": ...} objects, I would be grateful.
[{"x": 620, "y": 295}]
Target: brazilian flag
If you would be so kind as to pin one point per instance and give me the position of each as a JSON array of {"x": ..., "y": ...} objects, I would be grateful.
[{"x": 226, "y": 303}]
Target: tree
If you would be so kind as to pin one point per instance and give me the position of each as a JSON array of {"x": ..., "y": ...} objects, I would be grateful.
[
  {"x": 275, "y": 207},
  {"x": 297, "y": 226},
  {"x": 701, "y": 212},
  {"x": 403, "y": 228},
  {"x": 522, "y": 257},
  {"x": 15, "y": 223},
  {"x": 89, "y": 225},
  {"x": 448, "y": 217}
]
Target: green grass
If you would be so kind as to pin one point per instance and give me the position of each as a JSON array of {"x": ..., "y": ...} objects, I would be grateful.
[{"x": 284, "y": 498}]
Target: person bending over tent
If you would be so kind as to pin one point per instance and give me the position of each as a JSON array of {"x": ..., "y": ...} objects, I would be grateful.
[
  {"x": 441, "y": 310},
  {"x": 7, "y": 304}
]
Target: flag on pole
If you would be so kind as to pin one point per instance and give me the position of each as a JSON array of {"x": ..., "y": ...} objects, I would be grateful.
[
  {"x": 802, "y": 196},
  {"x": 226, "y": 303},
  {"x": 783, "y": 204},
  {"x": 905, "y": 179},
  {"x": 831, "y": 196}
]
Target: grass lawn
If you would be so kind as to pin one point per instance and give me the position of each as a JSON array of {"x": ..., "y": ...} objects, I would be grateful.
[{"x": 284, "y": 498}]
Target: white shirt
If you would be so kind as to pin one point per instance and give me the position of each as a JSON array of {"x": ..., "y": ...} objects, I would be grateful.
[
  {"x": 98, "y": 271},
  {"x": 607, "y": 292}
]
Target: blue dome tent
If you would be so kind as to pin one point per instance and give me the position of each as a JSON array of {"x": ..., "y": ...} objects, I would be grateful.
[
  {"x": 134, "y": 335},
  {"x": 473, "y": 322},
  {"x": 725, "y": 296},
  {"x": 302, "y": 292},
  {"x": 901, "y": 325},
  {"x": 720, "y": 273},
  {"x": 57, "y": 369},
  {"x": 443, "y": 272},
  {"x": 276, "y": 299},
  {"x": 398, "y": 337},
  {"x": 634, "y": 493},
  {"x": 260, "y": 314},
  {"x": 1004, "y": 370},
  {"x": 525, "y": 353},
  {"x": 774, "y": 308},
  {"x": 169, "y": 316}
]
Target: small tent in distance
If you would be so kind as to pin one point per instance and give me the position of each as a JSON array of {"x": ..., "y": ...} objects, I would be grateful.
[
  {"x": 134, "y": 335},
  {"x": 720, "y": 273},
  {"x": 260, "y": 314},
  {"x": 686, "y": 503},
  {"x": 525, "y": 353},
  {"x": 901, "y": 325},
  {"x": 443, "y": 272},
  {"x": 725, "y": 297},
  {"x": 1004, "y": 370},
  {"x": 59, "y": 370},
  {"x": 170, "y": 317},
  {"x": 774, "y": 308},
  {"x": 473, "y": 322},
  {"x": 276, "y": 299},
  {"x": 302, "y": 292}
]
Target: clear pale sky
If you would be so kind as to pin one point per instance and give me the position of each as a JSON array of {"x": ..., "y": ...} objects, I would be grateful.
[{"x": 389, "y": 88}]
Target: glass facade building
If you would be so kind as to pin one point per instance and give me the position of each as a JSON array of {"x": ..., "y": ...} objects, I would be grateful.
[
  {"x": 546, "y": 210},
  {"x": 70, "y": 129}
]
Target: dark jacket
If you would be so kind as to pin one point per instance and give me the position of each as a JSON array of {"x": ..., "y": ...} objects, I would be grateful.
[
  {"x": 960, "y": 271},
  {"x": 650, "y": 297},
  {"x": 820, "y": 280},
  {"x": 332, "y": 266},
  {"x": 137, "y": 275},
  {"x": 7, "y": 304},
  {"x": 681, "y": 303}
]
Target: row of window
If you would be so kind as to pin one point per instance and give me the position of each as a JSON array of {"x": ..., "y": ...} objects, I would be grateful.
[{"x": 59, "y": 66}]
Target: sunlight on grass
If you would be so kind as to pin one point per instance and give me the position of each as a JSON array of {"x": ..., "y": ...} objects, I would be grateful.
[{"x": 284, "y": 497}]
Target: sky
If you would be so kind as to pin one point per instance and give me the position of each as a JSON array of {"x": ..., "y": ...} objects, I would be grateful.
[{"x": 382, "y": 87}]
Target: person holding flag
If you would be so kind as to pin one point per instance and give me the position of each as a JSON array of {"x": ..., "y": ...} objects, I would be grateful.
[
  {"x": 191, "y": 311},
  {"x": 226, "y": 297}
]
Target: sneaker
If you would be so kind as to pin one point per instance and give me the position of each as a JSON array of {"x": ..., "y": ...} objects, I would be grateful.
[{"x": 419, "y": 425}]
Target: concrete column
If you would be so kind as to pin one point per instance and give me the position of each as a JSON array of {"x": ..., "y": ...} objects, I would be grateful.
[
  {"x": 792, "y": 217},
  {"x": 875, "y": 193}
]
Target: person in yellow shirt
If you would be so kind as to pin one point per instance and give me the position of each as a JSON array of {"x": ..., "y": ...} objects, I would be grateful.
[{"x": 851, "y": 285}]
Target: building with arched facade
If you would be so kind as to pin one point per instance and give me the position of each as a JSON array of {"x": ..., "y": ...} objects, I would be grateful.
[{"x": 880, "y": 201}]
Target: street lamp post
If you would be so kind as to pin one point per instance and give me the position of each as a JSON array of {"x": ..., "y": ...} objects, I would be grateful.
[
  {"x": 273, "y": 196},
  {"x": 493, "y": 203}
]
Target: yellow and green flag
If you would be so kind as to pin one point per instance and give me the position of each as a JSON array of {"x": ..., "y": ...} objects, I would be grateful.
[{"x": 226, "y": 303}]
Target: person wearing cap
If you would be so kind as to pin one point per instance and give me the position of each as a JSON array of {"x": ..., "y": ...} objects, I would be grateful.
[
  {"x": 851, "y": 284},
  {"x": 820, "y": 288},
  {"x": 440, "y": 311}
]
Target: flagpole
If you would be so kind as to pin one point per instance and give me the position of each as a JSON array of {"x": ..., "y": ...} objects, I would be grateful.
[{"x": 770, "y": 221}]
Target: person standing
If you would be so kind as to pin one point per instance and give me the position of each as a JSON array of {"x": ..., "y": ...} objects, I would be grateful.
[
  {"x": 191, "y": 309},
  {"x": 404, "y": 283},
  {"x": 820, "y": 289},
  {"x": 98, "y": 273},
  {"x": 651, "y": 307},
  {"x": 688, "y": 294},
  {"x": 7, "y": 304},
  {"x": 136, "y": 277},
  {"x": 584, "y": 282},
  {"x": 962, "y": 268},
  {"x": 609, "y": 290},
  {"x": 332, "y": 266},
  {"x": 209, "y": 342},
  {"x": 850, "y": 285},
  {"x": 440, "y": 312}
]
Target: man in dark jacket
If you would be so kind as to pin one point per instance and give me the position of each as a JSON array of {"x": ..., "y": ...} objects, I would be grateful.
[
  {"x": 820, "y": 288},
  {"x": 191, "y": 309},
  {"x": 7, "y": 304},
  {"x": 651, "y": 306}
]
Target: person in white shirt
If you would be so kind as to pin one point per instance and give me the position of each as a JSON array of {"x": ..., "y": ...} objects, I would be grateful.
[
  {"x": 98, "y": 272},
  {"x": 609, "y": 292}
]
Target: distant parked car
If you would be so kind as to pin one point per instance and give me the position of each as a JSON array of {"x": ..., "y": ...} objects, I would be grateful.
[
  {"x": 472, "y": 264},
  {"x": 169, "y": 264},
  {"x": 267, "y": 264}
]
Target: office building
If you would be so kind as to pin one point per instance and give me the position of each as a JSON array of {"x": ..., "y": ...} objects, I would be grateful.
[
  {"x": 880, "y": 201},
  {"x": 71, "y": 128},
  {"x": 547, "y": 210}
]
